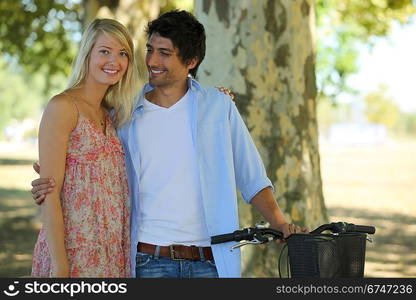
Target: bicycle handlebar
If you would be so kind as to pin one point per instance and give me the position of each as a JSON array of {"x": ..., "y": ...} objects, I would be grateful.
[
  {"x": 264, "y": 235},
  {"x": 261, "y": 235},
  {"x": 223, "y": 238},
  {"x": 364, "y": 229},
  {"x": 341, "y": 227}
]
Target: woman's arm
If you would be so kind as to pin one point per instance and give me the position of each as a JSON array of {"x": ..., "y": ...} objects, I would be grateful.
[{"x": 58, "y": 120}]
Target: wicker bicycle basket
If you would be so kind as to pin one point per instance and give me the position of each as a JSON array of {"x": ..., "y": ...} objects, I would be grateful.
[{"x": 327, "y": 255}]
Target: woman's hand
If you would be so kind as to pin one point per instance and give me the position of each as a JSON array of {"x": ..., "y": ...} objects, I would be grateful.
[
  {"x": 226, "y": 91},
  {"x": 41, "y": 186}
]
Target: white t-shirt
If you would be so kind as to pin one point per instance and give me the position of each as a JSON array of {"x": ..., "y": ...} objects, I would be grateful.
[{"x": 170, "y": 205}]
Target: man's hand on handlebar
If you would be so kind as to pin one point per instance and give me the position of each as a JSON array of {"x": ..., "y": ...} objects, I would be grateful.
[{"x": 289, "y": 228}]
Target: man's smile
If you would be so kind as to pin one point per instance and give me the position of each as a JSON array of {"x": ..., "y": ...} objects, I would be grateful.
[{"x": 156, "y": 72}]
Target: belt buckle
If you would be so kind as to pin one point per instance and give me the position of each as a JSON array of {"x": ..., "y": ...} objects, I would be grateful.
[{"x": 172, "y": 253}]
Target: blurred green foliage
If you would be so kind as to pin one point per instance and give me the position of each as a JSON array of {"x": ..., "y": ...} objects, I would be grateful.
[
  {"x": 38, "y": 40},
  {"x": 345, "y": 25},
  {"x": 44, "y": 33},
  {"x": 407, "y": 124},
  {"x": 381, "y": 109},
  {"x": 19, "y": 95},
  {"x": 40, "y": 33}
]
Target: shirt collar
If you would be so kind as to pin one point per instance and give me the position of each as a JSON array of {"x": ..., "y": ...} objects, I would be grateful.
[{"x": 193, "y": 85}]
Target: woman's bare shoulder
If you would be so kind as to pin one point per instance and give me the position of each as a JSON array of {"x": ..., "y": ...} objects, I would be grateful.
[
  {"x": 62, "y": 100},
  {"x": 62, "y": 107}
]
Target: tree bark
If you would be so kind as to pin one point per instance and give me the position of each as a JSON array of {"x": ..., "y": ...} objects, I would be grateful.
[{"x": 265, "y": 52}]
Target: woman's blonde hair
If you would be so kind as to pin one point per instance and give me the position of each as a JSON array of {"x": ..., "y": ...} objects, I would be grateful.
[{"x": 119, "y": 96}]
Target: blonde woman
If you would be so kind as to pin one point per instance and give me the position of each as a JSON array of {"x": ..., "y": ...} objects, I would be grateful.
[{"x": 86, "y": 230}]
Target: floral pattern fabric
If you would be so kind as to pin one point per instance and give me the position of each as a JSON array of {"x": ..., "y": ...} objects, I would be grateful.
[{"x": 95, "y": 206}]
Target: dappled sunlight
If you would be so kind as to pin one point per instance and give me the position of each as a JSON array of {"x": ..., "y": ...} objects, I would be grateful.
[
  {"x": 376, "y": 186},
  {"x": 17, "y": 203},
  {"x": 19, "y": 215},
  {"x": 18, "y": 236},
  {"x": 368, "y": 186},
  {"x": 377, "y": 178}
]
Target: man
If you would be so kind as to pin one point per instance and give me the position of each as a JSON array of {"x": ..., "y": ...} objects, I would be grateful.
[{"x": 187, "y": 150}]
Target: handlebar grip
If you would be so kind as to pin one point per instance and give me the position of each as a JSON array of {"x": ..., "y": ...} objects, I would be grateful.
[
  {"x": 222, "y": 238},
  {"x": 238, "y": 235},
  {"x": 339, "y": 227},
  {"x": 362, "y": 229},
  {"x": 277, "y": 235}
]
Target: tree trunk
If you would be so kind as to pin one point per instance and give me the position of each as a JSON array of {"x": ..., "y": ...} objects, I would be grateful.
[{"x": 265, "y": 52}]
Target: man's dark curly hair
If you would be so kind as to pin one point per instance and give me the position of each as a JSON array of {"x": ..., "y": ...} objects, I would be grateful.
[{"x": 185, "y": 32}]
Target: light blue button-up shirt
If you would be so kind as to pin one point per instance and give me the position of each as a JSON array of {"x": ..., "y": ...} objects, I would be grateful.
[{"x": 227, "y": 160}]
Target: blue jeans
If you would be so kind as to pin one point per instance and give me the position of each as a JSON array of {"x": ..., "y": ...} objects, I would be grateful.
[{"x": 152, "y": 266}]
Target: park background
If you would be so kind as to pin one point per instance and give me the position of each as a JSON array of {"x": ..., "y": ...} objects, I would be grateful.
[{"x": 361, "y": 164}]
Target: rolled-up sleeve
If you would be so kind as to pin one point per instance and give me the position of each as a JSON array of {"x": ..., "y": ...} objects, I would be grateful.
[{"x": 250, "y": 173}]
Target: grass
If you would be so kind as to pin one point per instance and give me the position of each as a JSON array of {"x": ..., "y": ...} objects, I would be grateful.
[{"x": 367, "y": 185}]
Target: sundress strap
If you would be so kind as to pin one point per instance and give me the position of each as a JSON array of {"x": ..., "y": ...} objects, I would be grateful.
[{"x": 75, "y": 103}]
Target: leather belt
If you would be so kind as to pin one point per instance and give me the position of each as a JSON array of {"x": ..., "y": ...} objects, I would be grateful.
[{"x": 176, "y": 252}]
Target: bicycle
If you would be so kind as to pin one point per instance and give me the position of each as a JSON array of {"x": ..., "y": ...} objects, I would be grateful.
[{"x": 340, "y": 253}]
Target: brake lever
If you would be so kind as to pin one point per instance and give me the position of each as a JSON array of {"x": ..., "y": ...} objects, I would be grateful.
[{"x": 254, "y": 241}]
